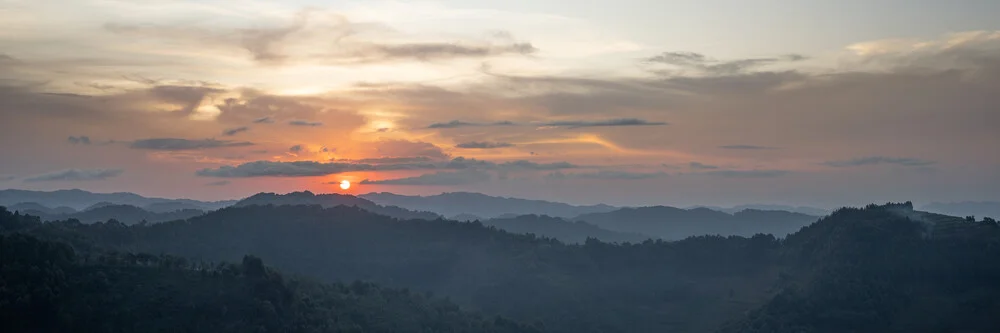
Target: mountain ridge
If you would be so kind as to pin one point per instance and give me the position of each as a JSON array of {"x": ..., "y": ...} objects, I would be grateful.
[{"x": 482, "y": 205}]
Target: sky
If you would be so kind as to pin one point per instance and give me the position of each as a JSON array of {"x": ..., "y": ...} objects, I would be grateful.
[{"x": 631, "y": 102}]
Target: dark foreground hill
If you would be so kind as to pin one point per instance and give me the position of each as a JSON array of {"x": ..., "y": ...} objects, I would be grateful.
[
  {"x": 878, "y": 269},
  {"x": 675, "y": 223},
  {"x": 49, "y": 287}
]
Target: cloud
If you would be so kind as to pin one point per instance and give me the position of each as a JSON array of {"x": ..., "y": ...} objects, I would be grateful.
[
  {"x": 83, "y": 140},
  {"x": 612, "y": 122},
  {"x": 282, "y": 169},
  {"x": 619, "y": 175},
  {"x": 446, "y": 178},
  {"x": 219, "y": 183},
  {"x": 748, "y": 173},
  {"x": 184, "y": 144},
  {"x": 392, "y": 160},
  {"x": 312, "y": 169},
  {"x": 295, "y": 148},
  {"x": 459, "y": 123},
  {"x": 262, "y": 42},
  {"x": 483, "y": 145},
  {"x": 700, "y": 63},
  {"x": 304, "y": 123},
  {"x": 528, "y": 165},
  {"x": 875, "y": 160},
  {"x": 331, "y": 38},
  {"x": 746, "y": 147},
  {"x": 263, "y": 120},
  {"x": 433, "y": 51},
  {"x": 701, "y": 166},
  {"x": 406, "y": 148},
  {"x": 452, "y": 124},
  {"x": 4, "y": 178},
  {"x": 234, "y": 131},
  {"x": 76, "y": 175}
]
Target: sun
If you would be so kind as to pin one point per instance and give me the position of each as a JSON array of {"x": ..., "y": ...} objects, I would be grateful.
[{"x": 345, "y": 184}]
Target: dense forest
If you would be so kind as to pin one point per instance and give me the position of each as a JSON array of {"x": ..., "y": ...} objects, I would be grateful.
[
  {"x": 882, "y": 268},
  {"x": 48, "y": 287}
]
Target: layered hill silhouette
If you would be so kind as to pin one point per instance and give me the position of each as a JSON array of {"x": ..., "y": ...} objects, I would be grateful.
[
  {"x": 675, "y": 223},
  {"x": 81, "y": 200},
  {"x": 481, "y": 206},
  {"x": 882, "y": 268},
  {"x": 561, "y": 229},
  {"x": 966, "y": 208},
  {"x": 794, "y": 209},
  {"x": 332, "y": 200},
  {"x": 126, "y": 214}
]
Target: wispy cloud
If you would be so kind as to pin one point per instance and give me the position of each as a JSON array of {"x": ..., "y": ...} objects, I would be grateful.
[
  {"x": 483, "y": 145},
  {"x": 305, "y": 123},
  {"x": 748, "y": 173},
  {"x": 703, "y": 64},
  {"x": 295, "y": 148},
  {"x": 620, "y": 175},
  {"x": 604, "y": 123},
  {"x": 433, "y": 51},
  {"x": 234, "y": 131},
  {"x": 76, "y": 175},
  {"x": 392, "y": 160},
  {"x": 528, "y": 165},
  {"x": 875, "y": 160},
  {"x": 701, "y": 166},
  {"x": 282, "y": 169},
  {"x": 746, "y": 147},
  {"x": 82, "y": 140},
  {"x": 184, "y": 144},
  {"x": 445, "y": 178},
  {"x": 219, "y": 183},
  {"x": 312, "y": 169},
  {"x": 459, "y": 123},
  {"x": 263, "y": 120}
]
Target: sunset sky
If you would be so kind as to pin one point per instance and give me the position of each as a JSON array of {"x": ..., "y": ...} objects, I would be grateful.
[{"x": 628, "y": 102}]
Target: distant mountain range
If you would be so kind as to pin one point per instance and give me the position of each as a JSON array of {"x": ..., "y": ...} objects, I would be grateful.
[
  {"x": 333, "y": 200},
  {"x": 966, "y": 208},
  {"x": 672, "y": 223},
  {"x": 795, "y": 209},
  {"x": 568, "y": 223},
  {"x": 81, "y": 200},
  {"x": 481, "y": 205},
  {"x": 126, "y": 214},
  {"x": 563, "y": 230}
]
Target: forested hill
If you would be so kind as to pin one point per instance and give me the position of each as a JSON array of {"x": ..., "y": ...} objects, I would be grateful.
[
  {"x": 563, "y": 230},
  {"x": 332, "y": 200},
  {"x": 672, "y": 223},
  {"x": 123, "y": 213},
  {"x": 882, "y": 268},
  {"x": 48, "y": 287},
  {"x": 465, "y": 203}
]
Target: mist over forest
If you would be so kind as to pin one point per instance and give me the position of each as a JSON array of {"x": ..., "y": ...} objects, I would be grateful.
[{"x": 304, "y": 262}]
